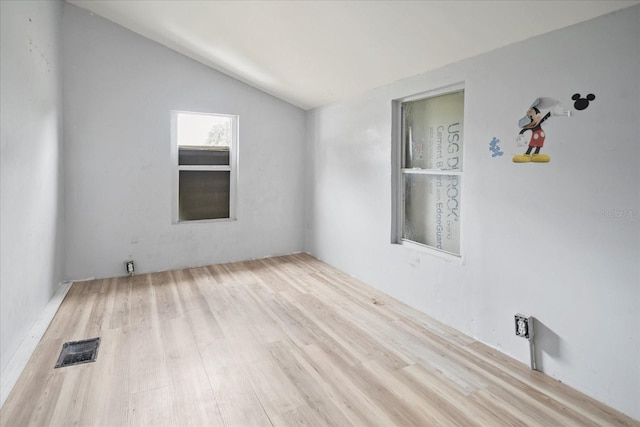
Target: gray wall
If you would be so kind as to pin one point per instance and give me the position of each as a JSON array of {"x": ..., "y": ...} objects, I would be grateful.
[
  {"x": 31, "y": 197},
  {"x": 559, "y": 241},
  {"x": 119, "y": 89}
]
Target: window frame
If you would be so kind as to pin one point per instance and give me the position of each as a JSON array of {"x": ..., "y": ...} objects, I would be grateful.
[
  {"x": 232, "y": 168},
  {"x": 399, "y": 171}
]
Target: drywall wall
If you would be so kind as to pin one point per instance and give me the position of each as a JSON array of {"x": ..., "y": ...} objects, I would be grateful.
[
  {"x": 119, "y": 91},
  {"x": 559, "y": 241},
  {"x": 31, "y": 203}
]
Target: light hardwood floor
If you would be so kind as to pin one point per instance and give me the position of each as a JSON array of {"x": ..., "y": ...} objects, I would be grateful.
[{"x": 285, "y": 341}]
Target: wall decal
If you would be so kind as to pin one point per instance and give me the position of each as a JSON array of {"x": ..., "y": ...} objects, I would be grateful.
[
  {"x": 494, "y": 148},
  {"x": 532, "y": 122},
  {"x": 582, "y": 103}
]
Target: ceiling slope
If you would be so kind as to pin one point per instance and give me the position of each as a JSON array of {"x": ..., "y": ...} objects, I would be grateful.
[{"x": 311, "y": 53}]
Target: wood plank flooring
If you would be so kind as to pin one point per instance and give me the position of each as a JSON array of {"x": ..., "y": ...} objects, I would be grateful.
[{"x": 286, "y": 341}]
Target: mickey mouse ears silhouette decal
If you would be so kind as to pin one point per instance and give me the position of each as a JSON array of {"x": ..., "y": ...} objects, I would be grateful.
[{"x": 582, "y": 103}]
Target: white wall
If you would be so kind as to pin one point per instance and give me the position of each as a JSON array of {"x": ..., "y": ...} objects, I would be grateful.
[
  {"x": 31, "y": 197},
  {"x": 559, "y": 241},
  {"x": 119, "y": 89},
  {"x": 536, "y": 238}
]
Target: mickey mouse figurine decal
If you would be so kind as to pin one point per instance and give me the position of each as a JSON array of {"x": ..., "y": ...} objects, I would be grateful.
[{"x": 532, "y": 121}]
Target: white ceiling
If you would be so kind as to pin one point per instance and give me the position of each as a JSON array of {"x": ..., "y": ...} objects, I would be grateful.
[{"x": 311, "y": 53}]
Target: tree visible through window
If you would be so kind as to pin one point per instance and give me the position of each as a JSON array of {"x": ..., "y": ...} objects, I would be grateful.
[
  {"x": 220, "y": 134},
  {"x": 206, "y": 147}
]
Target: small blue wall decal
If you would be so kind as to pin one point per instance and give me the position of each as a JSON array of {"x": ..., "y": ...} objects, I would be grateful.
[
  {"x": 582, "y": 103},
  {"x": 494, "y": 148}
]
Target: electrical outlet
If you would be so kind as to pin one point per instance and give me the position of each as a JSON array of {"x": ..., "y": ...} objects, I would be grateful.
[
  {"x": 524, "y": 326},
  {"x": 129, "y": 267}
]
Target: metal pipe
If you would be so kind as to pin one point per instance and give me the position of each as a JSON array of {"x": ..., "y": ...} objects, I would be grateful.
[{"x": 532, "y": 354}]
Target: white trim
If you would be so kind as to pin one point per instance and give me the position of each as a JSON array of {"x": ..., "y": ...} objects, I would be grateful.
[
  {"x": 445, "y": 90},
  {"x": 222, "y": 168},
  {"x": 174, "y": 168},
  {"x": 233, "y": 163},
  {"x": 28, "y": 345},
  {"x": 419, "y": 171},
  {"x": 398, "y": 172},
  {"x": 232, "y": 168},
  {"x": 430, "y": 250},
  {"x": 203, "y": 221},
  {"x": 397, "y": 153}
]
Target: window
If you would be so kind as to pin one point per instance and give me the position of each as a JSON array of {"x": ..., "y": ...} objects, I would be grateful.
[
  {"x": 428, "y": 166},
  {"x": 205, "y": 150}
]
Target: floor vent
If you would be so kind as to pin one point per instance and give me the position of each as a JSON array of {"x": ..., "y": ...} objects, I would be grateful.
[{"x": 77, "y": 352}]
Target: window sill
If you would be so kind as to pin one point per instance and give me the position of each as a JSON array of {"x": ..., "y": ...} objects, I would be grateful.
[
  {"x": 431, "y": 251},
  {"x": 203, "y": 221}
]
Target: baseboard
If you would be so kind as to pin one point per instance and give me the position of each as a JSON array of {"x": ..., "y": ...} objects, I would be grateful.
[{"x": 19, "y": 360}]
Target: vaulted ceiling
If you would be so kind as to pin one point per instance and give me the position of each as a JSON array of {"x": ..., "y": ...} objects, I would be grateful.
[{"x": 311, "y": 53}]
